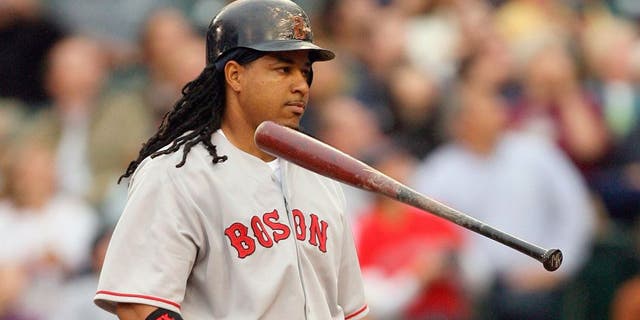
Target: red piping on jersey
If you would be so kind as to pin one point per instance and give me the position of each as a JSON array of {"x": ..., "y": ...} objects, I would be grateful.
[
  {"x": 361, "y": 310},
  {"x": 177, "y": 305}
]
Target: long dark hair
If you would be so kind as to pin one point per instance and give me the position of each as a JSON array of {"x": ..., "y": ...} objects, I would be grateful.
[{"x": 199, "y": 112}]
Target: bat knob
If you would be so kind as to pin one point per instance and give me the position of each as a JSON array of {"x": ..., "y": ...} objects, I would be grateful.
[{"x": 552, "y": 259}]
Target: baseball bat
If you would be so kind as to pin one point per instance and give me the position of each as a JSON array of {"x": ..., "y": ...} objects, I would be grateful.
[{"x": 325, "y": 160}]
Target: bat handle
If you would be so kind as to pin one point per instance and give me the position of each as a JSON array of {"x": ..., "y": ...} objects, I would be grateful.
[{"x": 552, "y": 259}]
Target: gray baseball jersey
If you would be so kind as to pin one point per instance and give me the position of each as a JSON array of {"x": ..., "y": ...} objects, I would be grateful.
[{"x": 232, "y": 241}]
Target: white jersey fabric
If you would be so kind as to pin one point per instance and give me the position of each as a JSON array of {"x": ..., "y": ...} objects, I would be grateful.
[{"x": 229, "y": 241}]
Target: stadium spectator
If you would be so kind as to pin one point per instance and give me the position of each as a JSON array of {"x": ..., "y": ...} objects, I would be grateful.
[
  {"x": 517, "y": 183},
  {"x": 408, "y": 257},
  {"x": 46, "y": 233}
]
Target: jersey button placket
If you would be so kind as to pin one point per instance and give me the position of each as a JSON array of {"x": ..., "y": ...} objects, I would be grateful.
[{"x": 286, "y": 197}]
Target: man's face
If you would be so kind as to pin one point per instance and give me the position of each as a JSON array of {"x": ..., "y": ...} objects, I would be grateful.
[{"x": 274, "y": 87}]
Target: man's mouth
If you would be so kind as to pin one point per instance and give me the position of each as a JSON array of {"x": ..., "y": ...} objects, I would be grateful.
[{"x": 297, "y": 106}]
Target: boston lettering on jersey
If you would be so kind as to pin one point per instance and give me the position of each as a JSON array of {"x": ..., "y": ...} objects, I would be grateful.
[{"x": 267, "y": 231}]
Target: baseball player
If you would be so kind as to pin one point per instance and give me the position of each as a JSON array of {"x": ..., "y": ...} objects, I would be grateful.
[{"x": 214, "y": 228}]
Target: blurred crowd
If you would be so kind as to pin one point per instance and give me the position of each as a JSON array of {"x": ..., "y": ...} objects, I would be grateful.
[{"x": 524, "y": 114}]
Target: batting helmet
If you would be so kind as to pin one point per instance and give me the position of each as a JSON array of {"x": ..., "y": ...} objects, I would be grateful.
[{"x": 262, "y": 25}]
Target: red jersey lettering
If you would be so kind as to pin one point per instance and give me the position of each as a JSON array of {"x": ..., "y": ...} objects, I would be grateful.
[
  {"x": 318, "y": 233},
  {"x": 237, "y": 234},
  {"x": 280, "y": 230},
  {"x": 299, "y": 225},
  {"x": 261, "y": 234}
]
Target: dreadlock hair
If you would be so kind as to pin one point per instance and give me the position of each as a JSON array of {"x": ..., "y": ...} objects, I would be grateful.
[{"x": 199, "y": 112}]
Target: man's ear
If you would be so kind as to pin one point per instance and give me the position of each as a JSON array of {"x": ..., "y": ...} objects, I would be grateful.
[{"x": 232, "y": 72}]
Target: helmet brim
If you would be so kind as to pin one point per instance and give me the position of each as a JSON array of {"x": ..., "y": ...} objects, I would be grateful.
[{"x": 316, "y": 53}]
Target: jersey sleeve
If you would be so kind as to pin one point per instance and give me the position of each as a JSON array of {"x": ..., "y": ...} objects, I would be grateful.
[
  {"x": 350, "y": 286},
  {"x": 154, "y": 245}
]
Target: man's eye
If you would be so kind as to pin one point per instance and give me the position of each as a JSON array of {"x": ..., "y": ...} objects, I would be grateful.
[{"x": 284, "y": 69}]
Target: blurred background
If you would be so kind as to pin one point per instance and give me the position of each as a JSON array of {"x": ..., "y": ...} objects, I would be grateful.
[{"x": 524, "y": 114}]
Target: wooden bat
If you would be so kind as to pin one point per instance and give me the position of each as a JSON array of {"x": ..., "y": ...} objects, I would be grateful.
[{"x": 325, "y": 160}]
